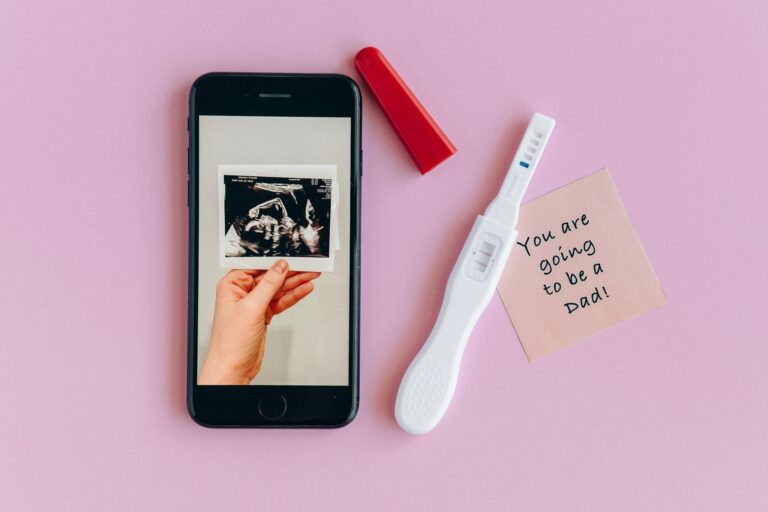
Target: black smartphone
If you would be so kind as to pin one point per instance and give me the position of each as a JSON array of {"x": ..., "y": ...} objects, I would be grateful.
[{"x": 274, "y": 250}]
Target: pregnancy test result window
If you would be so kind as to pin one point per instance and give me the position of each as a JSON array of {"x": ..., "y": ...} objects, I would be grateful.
[{"x": 277, "y": 189}]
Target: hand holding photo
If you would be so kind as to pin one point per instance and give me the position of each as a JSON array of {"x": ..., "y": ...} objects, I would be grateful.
[
  {"x": 277, "y": 211},
  {"x": 239, "y": 334}
]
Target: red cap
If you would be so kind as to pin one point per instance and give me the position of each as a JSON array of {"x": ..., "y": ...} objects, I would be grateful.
[{"x": 420, "y": 134}]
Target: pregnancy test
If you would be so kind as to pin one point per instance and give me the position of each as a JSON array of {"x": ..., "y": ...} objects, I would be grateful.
[{"x": 428, "y": 384}]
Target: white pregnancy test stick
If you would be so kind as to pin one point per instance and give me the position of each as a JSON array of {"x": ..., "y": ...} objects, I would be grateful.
[{"x": 429, "y": 382}]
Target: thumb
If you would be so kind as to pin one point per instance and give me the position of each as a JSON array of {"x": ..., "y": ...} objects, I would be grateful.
[{"x": 268, "y": 285}]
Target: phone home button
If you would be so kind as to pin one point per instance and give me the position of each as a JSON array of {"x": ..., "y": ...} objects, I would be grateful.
[{"x": 272, "y": 406}]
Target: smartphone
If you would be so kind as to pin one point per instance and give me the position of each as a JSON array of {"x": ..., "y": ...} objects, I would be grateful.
[{"x": 274, "y": 181}]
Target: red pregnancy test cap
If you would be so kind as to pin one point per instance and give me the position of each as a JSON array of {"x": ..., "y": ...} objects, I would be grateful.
[{"x": 422, "y": 137}]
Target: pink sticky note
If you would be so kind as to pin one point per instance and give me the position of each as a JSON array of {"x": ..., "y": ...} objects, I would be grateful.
[{"x": 577, "y": 267}]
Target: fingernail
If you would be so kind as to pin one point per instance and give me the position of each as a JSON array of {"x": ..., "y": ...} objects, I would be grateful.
[{"x": 280, "y": 266}]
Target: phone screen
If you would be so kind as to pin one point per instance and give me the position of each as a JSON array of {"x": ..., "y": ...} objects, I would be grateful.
[{"x": 275, "y": 188}]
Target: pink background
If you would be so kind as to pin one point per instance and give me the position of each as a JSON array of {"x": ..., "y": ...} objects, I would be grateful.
[{"x": 665, "y": 412}]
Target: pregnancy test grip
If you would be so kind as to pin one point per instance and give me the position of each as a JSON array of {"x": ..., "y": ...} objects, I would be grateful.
[
  {"x": 428, "y": 385},
  {"x": 430, "y": 381}
]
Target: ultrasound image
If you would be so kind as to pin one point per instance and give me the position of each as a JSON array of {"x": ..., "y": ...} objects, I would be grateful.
[{"x": 280, "y": 217}]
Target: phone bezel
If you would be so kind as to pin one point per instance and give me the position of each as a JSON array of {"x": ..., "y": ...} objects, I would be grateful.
[{"x": 311, "y": 95}]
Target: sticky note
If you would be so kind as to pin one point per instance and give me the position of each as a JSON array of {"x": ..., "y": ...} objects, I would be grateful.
[{"x": 577, "y": 267}]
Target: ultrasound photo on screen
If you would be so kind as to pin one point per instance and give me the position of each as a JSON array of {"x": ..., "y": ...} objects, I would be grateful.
[{"x": 276, "y": 217}]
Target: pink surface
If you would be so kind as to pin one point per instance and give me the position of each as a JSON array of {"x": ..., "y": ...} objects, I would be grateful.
[{"x": 665, "y": 412}]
